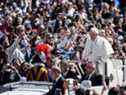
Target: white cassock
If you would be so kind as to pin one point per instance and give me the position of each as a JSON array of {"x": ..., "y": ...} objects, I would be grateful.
[{"x": 99, "y": 50}]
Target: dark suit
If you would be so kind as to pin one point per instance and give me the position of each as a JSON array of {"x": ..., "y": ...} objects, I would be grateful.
[
  {"x": 71, "y": 74},
  {"x": 95, "y": 79},
  {"x": 57, "y": 85}
]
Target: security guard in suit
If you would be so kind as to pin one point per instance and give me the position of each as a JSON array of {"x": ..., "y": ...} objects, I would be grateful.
[
  {"x": 59, "y": 84},
  {"x": 96, "y": 79}
]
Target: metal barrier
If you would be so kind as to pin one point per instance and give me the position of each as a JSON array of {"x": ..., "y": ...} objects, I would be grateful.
[
  {"x": 27, "y": 87},
  {"x": 33, "y": 88}
]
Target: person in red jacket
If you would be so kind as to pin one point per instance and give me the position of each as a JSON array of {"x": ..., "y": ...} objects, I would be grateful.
[{"x": 46, "y": 49}]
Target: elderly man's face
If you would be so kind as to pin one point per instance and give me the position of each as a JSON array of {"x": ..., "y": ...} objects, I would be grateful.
[
  {"x": 93, "y": 35},
  {"x": 54, "y": 73},
  {"x": 89, "y": 70}
]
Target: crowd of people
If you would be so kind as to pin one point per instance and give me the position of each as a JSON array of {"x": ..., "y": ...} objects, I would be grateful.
[{"x": 47, "y": 40}]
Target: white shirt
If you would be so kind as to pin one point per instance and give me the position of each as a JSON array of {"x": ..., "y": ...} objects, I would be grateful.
[
  {"x": 71, "y": 12},
  {"x": 62, "y": 43},
  {"x": 100, "y": 48},
  {"x": 14, "y": 53}
]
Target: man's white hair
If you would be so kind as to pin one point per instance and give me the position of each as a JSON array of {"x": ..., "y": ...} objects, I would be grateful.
[{"x": 94, "y": 29}]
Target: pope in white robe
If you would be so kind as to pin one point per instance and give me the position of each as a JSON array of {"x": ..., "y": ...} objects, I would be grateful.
[{"x": 98, "y": 50}]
